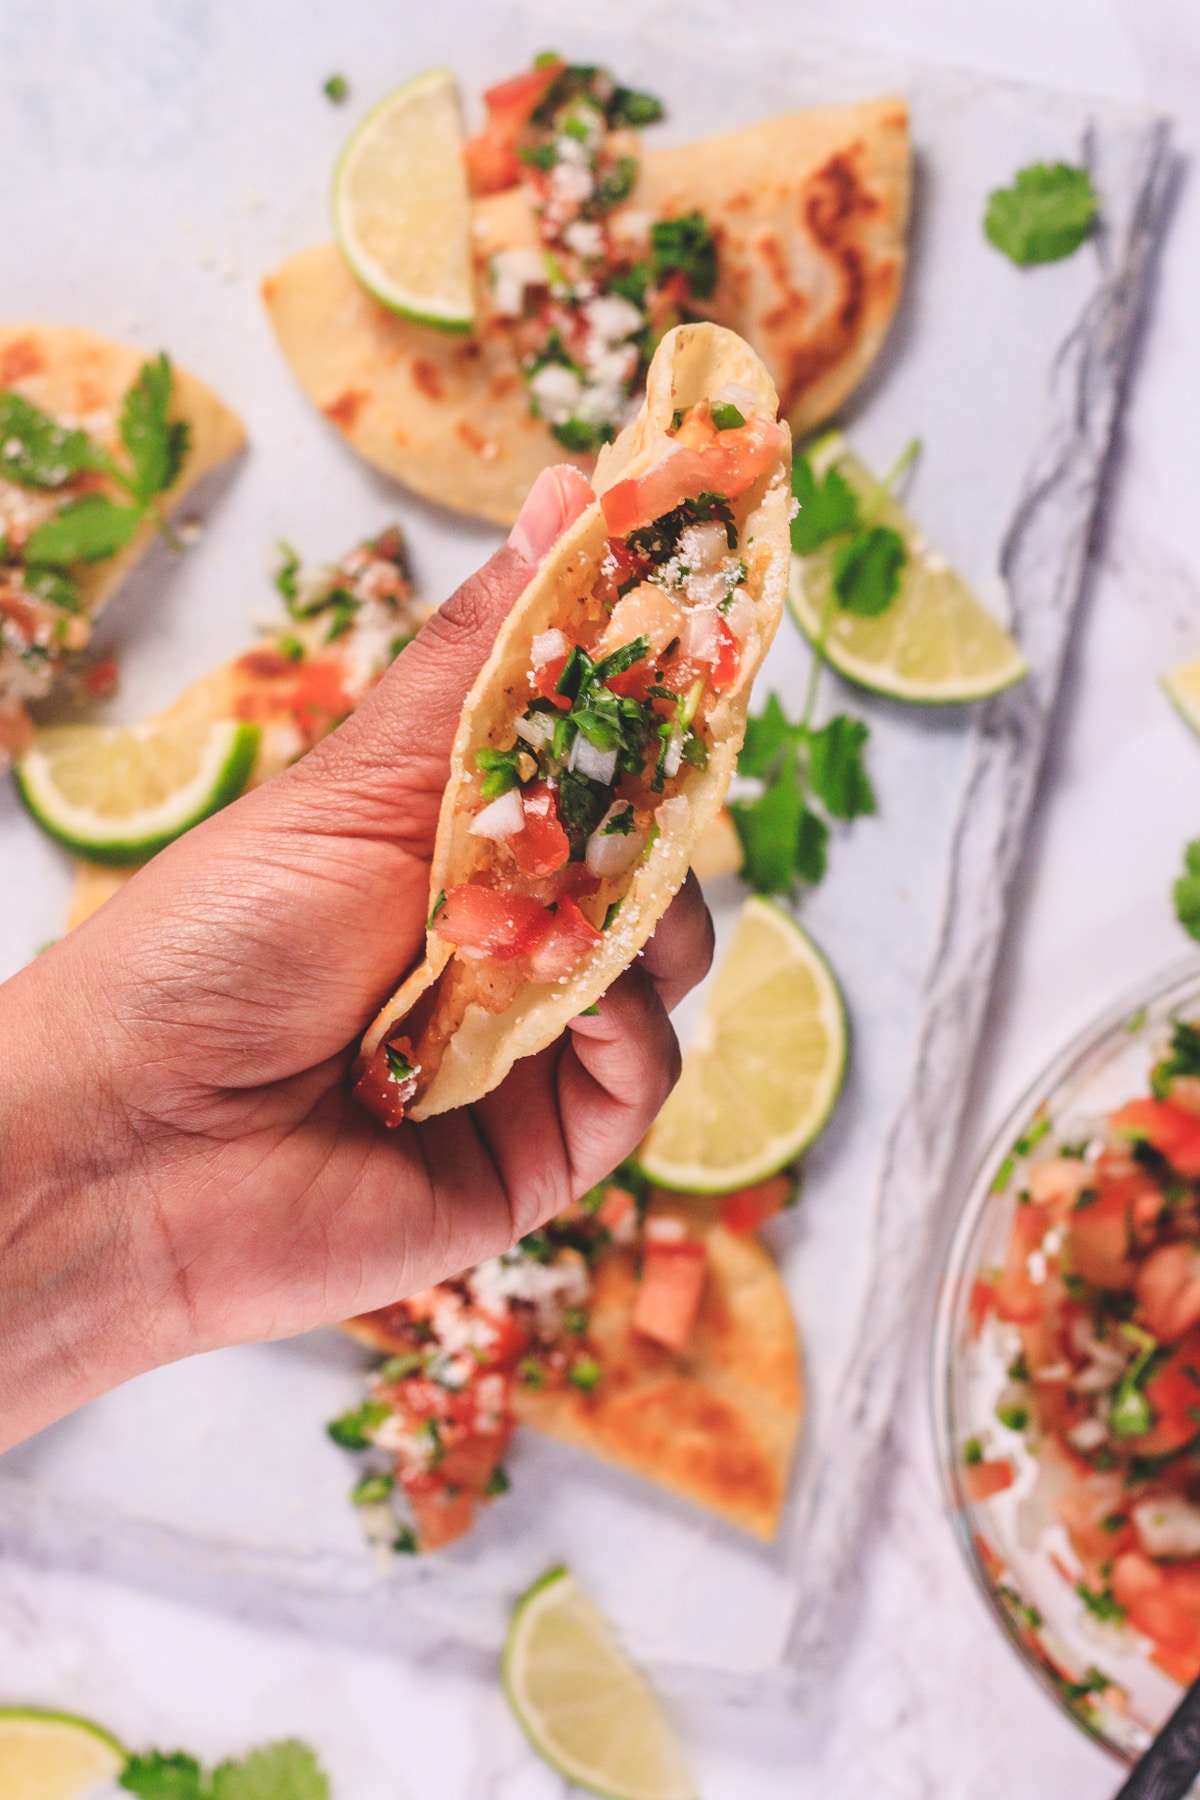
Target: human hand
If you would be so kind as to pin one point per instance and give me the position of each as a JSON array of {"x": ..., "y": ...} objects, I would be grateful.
[{"x": 181, "y": 1163}]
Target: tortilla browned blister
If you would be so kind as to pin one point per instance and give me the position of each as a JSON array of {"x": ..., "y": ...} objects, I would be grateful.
[
  {"x": 465, "y": 1050},
  {"x": 809, "y": 212},
  {"x": 716, "y": 1423},
  {"x": 82, "y": 379}
]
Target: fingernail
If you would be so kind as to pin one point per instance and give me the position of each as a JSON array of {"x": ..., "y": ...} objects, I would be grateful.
[{"x": 556, "y": 498}]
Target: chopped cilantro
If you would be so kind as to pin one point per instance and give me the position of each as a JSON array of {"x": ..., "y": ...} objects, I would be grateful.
[
  {"x": 1131, "y": 1414},
  {"x": 437, "y": 907},
  {"x": 292, "y": 648},
  {"x": 972, "y": 1452},
  {"x": 286, "y": 573},
  {"x": 1184, "y": 1059},
  {"x": 1016, "y": 1418},
  {"x": 591, "y": 1012},
  {"x": 352, "y": 1430},
  {"x": 396, "y": 1368},
  {"x": 616, "y": 184},
  {"x": 621, "y": 824},
  {"x": 372, "y": 1490},
  {"x": 398, "y": 1065},
  {"x": 657, "y": 541},
  {"x": 1029, "y": 1140},
  {"x": 337, "y": 89},
  {"x": 726, "y": 417},
  {"x": 530, "y": 1372},
  {"x": 1102, "y": 1605},
  {"x": 500, "y": 771},
  {"x": 498, "y": 1482},
  {"x": 1045, "y": 215},
  {"x": 575, "y": 1320},
  {"x": 581, "y": 435},
  {"x": 405, "y": 1542},
  {"x": 1187, "y": 891},
  {"x": 585, "y": 1373},
  {"x": 52, "y": 585},
  {"x": 630, "y": 107},
  {"x": 685, "y": 245},
  {"x": 400, "y": 642},
  {"x": 431, "y": 1431},
  {"x": 610, "y": 914}
]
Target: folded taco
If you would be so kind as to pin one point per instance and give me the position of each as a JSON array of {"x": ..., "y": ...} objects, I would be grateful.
[
  {"x": 586, "y": 249},
  {"x": 600, "y": 736}
]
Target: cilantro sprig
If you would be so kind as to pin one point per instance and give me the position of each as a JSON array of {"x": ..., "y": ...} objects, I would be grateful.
[
  {"x": 1045, "y": 215},
  {"x": 287, "y": 1770},
  {"x": 813, "y": 775},
  {"x": 37, "y": 452},
  {"x": 1187, "y": 891}
]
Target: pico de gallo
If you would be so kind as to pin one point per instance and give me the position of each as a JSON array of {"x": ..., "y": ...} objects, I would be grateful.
[
  {"x": 590, "y": 302},
  {"x": 348, "y": 622},
  {"x": 1098, "y": 1307},
  {"x": 613, "y": 719}
]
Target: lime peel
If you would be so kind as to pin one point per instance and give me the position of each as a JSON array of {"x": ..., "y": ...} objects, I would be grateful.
[
  {"x": 764, "y": 1068},
  {"x": 401, "y": 207},
  {"x": 117, "y": 795},
  {"x": 46, "y": 1755}
]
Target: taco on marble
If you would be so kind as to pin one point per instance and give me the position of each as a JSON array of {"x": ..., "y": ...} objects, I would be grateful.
[
  {"x": 598, "y": 740},
  {"x": 97, "y": 444},
  {"x": 586, "y": 250}
]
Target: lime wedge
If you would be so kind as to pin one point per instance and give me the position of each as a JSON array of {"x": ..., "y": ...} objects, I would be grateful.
[
  {"x": 1182, "y": 687},
  {"x": 763, "y": 1069},
  {"x": 54, "y": 1756},
  {"x": 580, "y": 1701},
  {"x": 401, "y": 208},
  {"x": 116, "y": 794},
  {"x": 935, "y": 644}
]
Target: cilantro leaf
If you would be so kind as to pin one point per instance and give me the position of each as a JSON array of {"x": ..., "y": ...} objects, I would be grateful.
[
  {"x": 1187, "y": 891},
  {"x": 156, "y": 444},
  {"x": 827, "y": 507},
  {"x": 812, "y": 843},
  {"x": 765, "y": 738},
  {"x": 769, "y": 829},
  {"x": 86, "y": 530},
  {"x": 36, "y": 451},
  {"x": 629, "y": 106},
  {"x": 685, "y": 246},
  {"x": 352, "y": 1429},
  {"x": 159, "y": 1777},
  {"x": 1045, "y": 215},
  {"x": 500, "y": 771},
  {"x": 867, "y": 569},
  {"x": 283, "y": 1771},
  {"x": 835, "y": 767}
]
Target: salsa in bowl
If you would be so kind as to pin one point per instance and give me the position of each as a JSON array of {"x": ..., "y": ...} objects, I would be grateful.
[{"x": 1067, "y": 1369}]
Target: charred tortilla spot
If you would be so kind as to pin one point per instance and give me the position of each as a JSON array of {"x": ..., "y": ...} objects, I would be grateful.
[
  {"x": 426, "y": 379},
  {"x": 474, "y": 440},
  {"x": 21, "y": 357},
  {"x": 345, "y": 409},
  {"x": 835, "y": 198}
]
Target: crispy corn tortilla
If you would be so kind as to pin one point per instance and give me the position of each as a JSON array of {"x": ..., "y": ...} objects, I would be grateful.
[
  {"x": 80, "y": 378},
  {"x": 465, "y": 1053},
  {"x": 810, "y": 212},
  {"x": 716, "y": 1424}
]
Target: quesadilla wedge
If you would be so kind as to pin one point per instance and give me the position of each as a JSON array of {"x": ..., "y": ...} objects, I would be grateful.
[
  {"x": 349, "y": 620},
  {"x": 598, "y": 740},
  {"x": 96, "y": 444},
  {"x": 586, "y": 249},
  {"x": 637, "y": 1327}
]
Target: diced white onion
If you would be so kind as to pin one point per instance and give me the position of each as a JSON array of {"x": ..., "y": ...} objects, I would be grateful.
[
  {"x": 673, "y": 760},
  {"x": 600, "y": 765},
  {"x": 665, "y": 1231},
  {"x": 537, "y": 729},
  {"x": 547, "y": 645},
  {"x": 734, "y": 393},
  {"x": 503, "y": 818},
  {"x": 698, "y": 634},
  {"x": 610, "y": 854}
]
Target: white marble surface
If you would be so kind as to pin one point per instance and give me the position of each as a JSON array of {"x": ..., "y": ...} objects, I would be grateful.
[{"x": 929, "y": 1699}]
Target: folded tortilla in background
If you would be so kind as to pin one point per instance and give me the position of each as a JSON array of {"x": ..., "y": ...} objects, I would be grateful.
[
  {"x": 809, "y": 212},
  {"x": 457, "y": 1024},
  {"x": 81, "y": 379}
]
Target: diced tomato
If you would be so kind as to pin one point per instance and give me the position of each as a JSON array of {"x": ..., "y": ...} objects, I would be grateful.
[
  {"x": 1172, "y": 1130},
  {"x": 1173, "y": 1393},
  {"x": 545, "y": 681},
  {"x": 621, "y": 566},
  {"x": 1100, "y": 1232},
  {"x": 728, "y": 659},
  {"x": 670, "y": 1291},
  {"x": 727, "y": 466},
  {"x": 379, "y": 1090},
  {"x": 491, "y": 156},
  {"x": 1018, "y": 1296},
  {"x": 991, "y": 1559},
  {"x": 1163, "y": 1602},
  {"x": 471, "y": 1462},
  {"x": 1087, "y": 1503},
  {"x": 748, "y": 1208},
  {"x": 479, "y": 918},
  {"x": 616, "y": 1208},
  {"x": 1168, "y": 1291},
  {"x": 541, "y": 846},
  {"x": 441, "y": 1516},
  {"x": 983, "y": 1479},
  {"x": 101, "y": 680},
  {"x": 1176, "y": 1664},
  {"x": 568, "y": 940},
  {"x": 318, "y": 695},
  {"x": 980, "y": 1306}
]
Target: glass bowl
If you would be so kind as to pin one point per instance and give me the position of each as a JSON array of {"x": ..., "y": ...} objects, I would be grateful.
[{"x": 1101, "y": 1672}]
